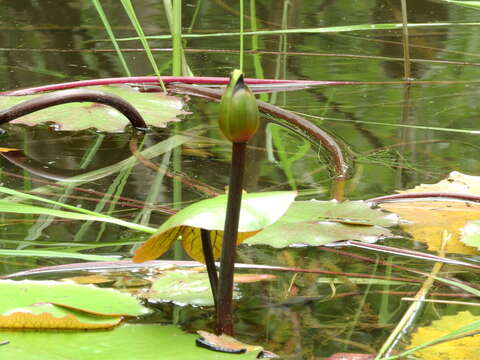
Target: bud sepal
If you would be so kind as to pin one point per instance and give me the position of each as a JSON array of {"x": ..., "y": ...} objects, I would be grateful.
[{"x": 239, "y": 116}]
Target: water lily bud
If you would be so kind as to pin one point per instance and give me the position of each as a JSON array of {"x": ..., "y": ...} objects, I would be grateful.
[{"x": 239, "y": 116}]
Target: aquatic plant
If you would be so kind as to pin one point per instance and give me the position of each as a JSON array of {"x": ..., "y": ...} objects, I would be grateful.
[{"x": 239, "y": 121}]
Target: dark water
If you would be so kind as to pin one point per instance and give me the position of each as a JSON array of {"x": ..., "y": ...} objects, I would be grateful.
[{"x": 395, "y": 136}]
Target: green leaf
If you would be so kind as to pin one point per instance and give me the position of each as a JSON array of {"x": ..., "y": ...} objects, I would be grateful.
[
  {"x": 470, "y": 234},
  {"x": 182, "y": 287},
  {"x": 127, "y": 342},
  {"x": 76, "y": 214},
  {"x": 49, "y": 316},
  {"x": 157, "y": 110},
  {"x": 470, "y": 4},
  {"x": 318, "y": 30},
  {"x": 258, "y": 210},
  {"x": 323, "y": 222},
  {"x": 190, "y": 287},
  {"x": 79, "y": 298},
  {"x": 56, "y": 254}
]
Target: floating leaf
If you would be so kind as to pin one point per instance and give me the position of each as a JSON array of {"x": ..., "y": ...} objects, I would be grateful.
[
  {"x": 189, "y": 287},
  {"x": 225, "y": 343},
  {"x": 251, "y": 278},
  {"x": 429, "y": 219},
  {"x": 470, "y": 234},
  {"x": 449, "y": 327},
  {"x": 455, "y": 182},
  {"x": 126, "y": 342},
  {"x": 19, "y": 300},
  {"x": 156, "y": 108},
  {"x": 90, "y": 279},
  {"x": 351, "y": 356},
  {"x": 49, "y": 316},
  {"x": 182, "y": 288},
  {"x": 322, "y": 222},
  {"x": 258, "y": 211}
]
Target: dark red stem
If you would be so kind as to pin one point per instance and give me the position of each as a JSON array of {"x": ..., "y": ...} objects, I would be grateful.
[
  {"x": 426, "y": 195},
  {"x": 69, "y": 96},
  {"x": 166, "y": 79},
  {"x": 227, "y": 261}
]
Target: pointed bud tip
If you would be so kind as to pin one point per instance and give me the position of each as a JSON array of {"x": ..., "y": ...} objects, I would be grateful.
[{"x": 239, "y": 116}]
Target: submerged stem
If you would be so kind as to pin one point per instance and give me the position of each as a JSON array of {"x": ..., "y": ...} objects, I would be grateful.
[
  {"x": 209, "y": 262},
  {"x": 227, "y": 262}
]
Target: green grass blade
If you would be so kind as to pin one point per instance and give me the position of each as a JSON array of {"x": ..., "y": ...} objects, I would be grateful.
[
  {"x": 460, "y": 285},
  {"x": 151, "y": 152},
  {"x": 127, "y": 4},
  {"x": 56, "y": 254},
  {"x": 322, "y": 30},
  {"x": 469, "y": 4},
  {"x": 257, "y": 62},
  {"x": 241, "y": 36},
  {"x": 421, "y": 127},
  {"x": 111, "y": 35},
  {"x": 467, "y": 330},
  {"x": 75, "y": 214},
  {"x": 177, "y": 37}
]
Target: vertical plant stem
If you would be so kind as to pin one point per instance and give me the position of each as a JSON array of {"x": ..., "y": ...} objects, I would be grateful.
[
  {"x": 257, "y": 62},
  {"x": 227, "y": 262},
  {"x": 209, "y": 262},
  {"x": 406, "y": 49},
  {"x": 173, "y": 10},
  {"x": 241, "y": 35},
  {"x": 415, "y": 308},
  {"x": 127, "y": 4},
  {"x": 176, "y": 27},
  {"x": 109, "y": 31}
]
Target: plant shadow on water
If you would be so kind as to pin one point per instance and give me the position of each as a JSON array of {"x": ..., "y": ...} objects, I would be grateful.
[{"x": 395, "y": 136}]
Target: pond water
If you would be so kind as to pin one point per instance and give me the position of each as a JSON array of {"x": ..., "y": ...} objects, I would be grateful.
[{"x": 395, "y": 136}]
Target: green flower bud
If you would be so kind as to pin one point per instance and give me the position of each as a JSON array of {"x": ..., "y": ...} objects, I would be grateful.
[{"x": 239, "y": 116}]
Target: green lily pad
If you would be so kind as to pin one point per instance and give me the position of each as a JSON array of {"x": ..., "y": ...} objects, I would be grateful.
[
  {"x": 127, "y": 342},
  {"x": 258, "y": 210},
  {"x": 18, "y": 297},
  {"x": 157, "y": 110},
  {"x": 49, "y": 316},
  {"x": 182, "y": 287},
  {"x": 470, "y": 234},
  {"x": 323, "y": 222}
]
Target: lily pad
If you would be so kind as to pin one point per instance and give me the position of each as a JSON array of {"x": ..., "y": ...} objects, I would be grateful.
[
  {"x": 224, "y": 343},
  {"x": 20, "y": 304},
  {"x": 428, "y": 219},
  {"x": 182, "y": 287},
  {"x": 127, "y": 342},
  {"x": 157, "y": 110},
  {"x": 258, "y": 211},
  {"x": 190, "y": 287},
  {"x": 470, "y": 234},
  {"x": 49, "y": 316},
  {"x": 323, "y": 222},
  {"x": 445, "y": 340}
]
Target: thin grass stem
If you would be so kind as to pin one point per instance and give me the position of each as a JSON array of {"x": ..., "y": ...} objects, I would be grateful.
[
  {"x": 111, "y": 35},
  {"x": 241, "y": 36},
  {"x": 407, "y": 73},
  {"x": 127, "y": 4}
]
